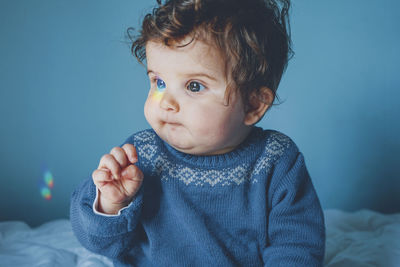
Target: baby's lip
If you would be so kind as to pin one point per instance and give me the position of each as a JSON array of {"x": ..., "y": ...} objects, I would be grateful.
[
  {"x": 168, "y": 119},
  {"x": 171, "y": 122}
]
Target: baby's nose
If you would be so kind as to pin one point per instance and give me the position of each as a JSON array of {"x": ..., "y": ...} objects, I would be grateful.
[{"x": 169, "y": 103}]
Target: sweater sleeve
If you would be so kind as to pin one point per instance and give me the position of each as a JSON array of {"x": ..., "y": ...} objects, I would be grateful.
[
  {"x": 296, "y": 227},
  {"x": 108, "y": 236}
]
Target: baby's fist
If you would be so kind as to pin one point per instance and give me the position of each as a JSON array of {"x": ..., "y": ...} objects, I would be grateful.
[{"x": 117, "y": 179}]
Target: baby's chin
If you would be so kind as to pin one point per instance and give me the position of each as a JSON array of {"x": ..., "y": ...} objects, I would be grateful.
[
  {"x": 199, "y": 149},
  {"x": 184, "y": 142},
  {"x": 183, "y": 145},
  {"x": 175, "y": 141}
]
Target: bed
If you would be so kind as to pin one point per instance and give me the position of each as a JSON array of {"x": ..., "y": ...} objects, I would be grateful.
[{"x": 354, "y": 239}]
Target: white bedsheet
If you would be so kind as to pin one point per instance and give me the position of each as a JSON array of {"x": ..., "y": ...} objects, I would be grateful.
[
  {"x": 52, "y": 244},
  {"x": 364, "y": 238}
]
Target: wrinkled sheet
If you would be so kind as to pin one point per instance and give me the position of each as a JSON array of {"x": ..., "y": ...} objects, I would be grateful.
[
  {"x": 354, "y": 239},
  {"x": 52, "y": 244},
  {"x": 363, "y": 238}
]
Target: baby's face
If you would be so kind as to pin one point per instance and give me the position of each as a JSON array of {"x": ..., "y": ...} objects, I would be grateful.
[{"x": 186, "y": 105}]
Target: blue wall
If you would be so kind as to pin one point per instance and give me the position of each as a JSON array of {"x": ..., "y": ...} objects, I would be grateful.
[{"x": 70, "y": 91}]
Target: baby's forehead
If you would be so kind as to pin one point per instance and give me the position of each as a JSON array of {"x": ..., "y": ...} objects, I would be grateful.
[{"x": 192, "y": 53}]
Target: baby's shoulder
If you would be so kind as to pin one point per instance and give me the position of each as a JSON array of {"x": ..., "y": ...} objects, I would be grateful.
[
  {"x": 276, "y": 144},
  {"x": 277, "y": 149}
]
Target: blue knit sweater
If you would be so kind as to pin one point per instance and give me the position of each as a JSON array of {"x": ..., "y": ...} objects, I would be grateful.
[{"x": 253, "y": 206}]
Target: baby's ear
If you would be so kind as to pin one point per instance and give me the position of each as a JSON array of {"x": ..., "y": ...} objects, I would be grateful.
[{"x": 259, "y": 103}]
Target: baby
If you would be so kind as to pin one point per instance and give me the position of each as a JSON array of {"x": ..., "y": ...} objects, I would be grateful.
[{"x": 204, "y": 186}]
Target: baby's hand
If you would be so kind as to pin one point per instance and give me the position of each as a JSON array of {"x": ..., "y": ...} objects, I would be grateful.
[{"x": 117, "y": 179}]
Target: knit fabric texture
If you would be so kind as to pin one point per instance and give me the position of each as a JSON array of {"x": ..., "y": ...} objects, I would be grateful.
[{"x": 253, "y": 206}]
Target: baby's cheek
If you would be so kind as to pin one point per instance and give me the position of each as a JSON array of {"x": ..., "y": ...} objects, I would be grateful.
[
  {"x": 208, "y": 125},
  {"x": 149, "y": 111}
]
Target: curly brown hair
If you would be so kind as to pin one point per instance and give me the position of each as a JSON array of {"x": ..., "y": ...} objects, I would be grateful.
[{"x": 253, "y": 37}]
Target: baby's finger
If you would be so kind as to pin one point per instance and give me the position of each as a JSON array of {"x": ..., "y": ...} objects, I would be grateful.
[
  {"x": 109, "y": 162},
  {"x": 100, "y": 176},
  {"x": 130, "y": 151},
  {"x": 132, "y": 179},
  {"x": 120, "y": 156},
  {"x": 132, "y": 172}
]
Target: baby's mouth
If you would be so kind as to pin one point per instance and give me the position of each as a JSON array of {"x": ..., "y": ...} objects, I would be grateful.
[
  {"x": 174, "y": 124},
  {"x": 171, "y": 123}
]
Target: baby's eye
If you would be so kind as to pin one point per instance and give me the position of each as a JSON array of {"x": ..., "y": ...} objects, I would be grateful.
[
  {"x": 160, "y": 85},
  {"x": 195, "y": 86}
]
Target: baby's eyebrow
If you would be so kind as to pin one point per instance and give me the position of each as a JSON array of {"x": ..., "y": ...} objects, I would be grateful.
[
  {"x": 150, "y": 71},
  {"x": 197, "y": 74},
  {"x": 200, "y": 74}
]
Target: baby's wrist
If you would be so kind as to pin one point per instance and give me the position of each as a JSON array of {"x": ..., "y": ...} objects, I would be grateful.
[{"x": 104, "y": 206}]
